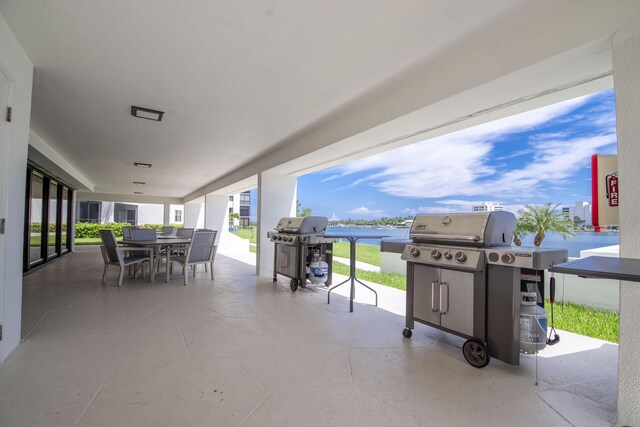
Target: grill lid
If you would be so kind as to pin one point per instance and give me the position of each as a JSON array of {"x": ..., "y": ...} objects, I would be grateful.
[
  {"x": 303, "y": 225},
  {"x": 480, "y": 229}
]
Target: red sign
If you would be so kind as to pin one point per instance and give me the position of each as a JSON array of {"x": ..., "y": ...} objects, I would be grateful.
[
  {"x": 605, "y": 191},
  {"x": 612, "y": 189}
]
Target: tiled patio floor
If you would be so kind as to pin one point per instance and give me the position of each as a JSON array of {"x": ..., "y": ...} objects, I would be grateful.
[{"x": 242, "y": 350}]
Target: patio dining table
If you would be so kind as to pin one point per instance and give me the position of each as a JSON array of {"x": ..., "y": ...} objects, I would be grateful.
[{"x": 157, "y": 245}]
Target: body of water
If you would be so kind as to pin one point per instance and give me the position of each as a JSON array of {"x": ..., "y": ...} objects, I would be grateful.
[{"x": 582, "y": 241}]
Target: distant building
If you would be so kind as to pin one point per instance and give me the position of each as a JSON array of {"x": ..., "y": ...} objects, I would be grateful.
[
  {"x": 581, "y": 210},
  {"x": 488, "y": 207},
  {"x": 133, "y": 213},
  {"x": 240, "y": 204}
]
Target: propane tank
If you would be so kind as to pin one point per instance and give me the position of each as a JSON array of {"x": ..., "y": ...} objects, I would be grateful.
[
  {"x": 533, "y": 324},
  {"x": 318, "y": 271}
]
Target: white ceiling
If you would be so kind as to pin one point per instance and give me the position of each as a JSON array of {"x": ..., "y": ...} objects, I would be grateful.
[{"x": 236, "y": 78}]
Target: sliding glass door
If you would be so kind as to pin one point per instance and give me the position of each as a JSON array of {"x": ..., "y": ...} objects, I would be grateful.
[
  {"x": 36, "y": 214},
  {"x": 47, "y": 218}
]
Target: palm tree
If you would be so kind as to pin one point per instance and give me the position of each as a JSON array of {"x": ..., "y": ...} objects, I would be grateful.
[{"x": 542, "y": 219}]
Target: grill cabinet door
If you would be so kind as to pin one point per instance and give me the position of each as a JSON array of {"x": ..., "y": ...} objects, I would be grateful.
[
  {"x": 426, "y": 285},
  {"x": 457, "y": 294},
  {"x": 286, "y": 260}
]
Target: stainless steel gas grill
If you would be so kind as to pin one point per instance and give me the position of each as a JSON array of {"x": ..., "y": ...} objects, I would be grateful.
[
  {"x": 299, "y": 243},
  {"x": 463, "y": 277}
]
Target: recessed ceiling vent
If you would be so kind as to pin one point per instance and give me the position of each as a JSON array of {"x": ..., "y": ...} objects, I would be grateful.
[
  {"x": 142, "y": 165},
  {"x": 146, "y": 113}
]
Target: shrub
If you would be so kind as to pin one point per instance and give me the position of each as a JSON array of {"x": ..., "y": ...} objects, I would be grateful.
[
  {"x": 92, "y": 230},
  {"x": 85, "y": 230}
]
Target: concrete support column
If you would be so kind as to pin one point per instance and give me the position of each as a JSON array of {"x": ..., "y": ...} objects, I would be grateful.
[
  {"x": 217, "y": 215},
  {"x": 276, "y": 199},
  {"x": 626, "y": 67},
  {"x": 194, "y": 213},
  {"x": 166, "y": 220}
]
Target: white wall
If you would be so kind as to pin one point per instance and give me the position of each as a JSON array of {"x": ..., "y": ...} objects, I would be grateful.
[
  {"x": 194, "y": 213},
  {"x": 172, "y": 216},
  {"x": 276, "y": 199},
  {"x": 17, "y": 67},
  {"x": 217, "y": 215},
  {"x": 150, "y": 214},
  {"x": 626, "y": 68}
]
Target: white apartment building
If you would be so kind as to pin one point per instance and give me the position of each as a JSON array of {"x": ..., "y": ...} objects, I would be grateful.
[
  {"x": 134, "y": 213},
  {"x": 488, "y": 207},
  {"x": 582, "y": 210},
  {"x": 240, "y": 204}
]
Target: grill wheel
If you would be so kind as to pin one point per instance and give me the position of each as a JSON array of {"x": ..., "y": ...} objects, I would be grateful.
[
  {"x": 293, "y": 285},
  {"x": 476, "y": 353}
]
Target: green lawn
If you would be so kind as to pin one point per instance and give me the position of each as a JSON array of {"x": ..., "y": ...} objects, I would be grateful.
[
  {"x": 582, "y": 320},
  {"x": 246, "y": 234},
  {"x": 89, "y": 241},
  {"x": 365, "y": 253},
  {"x": 393, "y": 280},
  {"x": 35, "y": 240}
]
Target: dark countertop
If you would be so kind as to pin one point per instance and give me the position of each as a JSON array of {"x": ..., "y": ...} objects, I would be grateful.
[
  {"x": 395, "y": 246},
  {"x": 599, "y": 267}
]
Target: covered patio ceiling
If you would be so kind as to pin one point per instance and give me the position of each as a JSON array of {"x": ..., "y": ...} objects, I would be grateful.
[{"x": 250, "y": 86}]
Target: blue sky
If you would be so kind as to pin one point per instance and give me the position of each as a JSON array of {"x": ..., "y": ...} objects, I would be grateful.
[{"x": 536, "y": 157}]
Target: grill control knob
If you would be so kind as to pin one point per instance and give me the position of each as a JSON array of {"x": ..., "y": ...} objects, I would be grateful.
[
  {"x": 494, "y": 257},
  {"x": 414, "y": 252},
  {"x": 508, "y": 258},
  {"x": 435, "y": 254},
  {"x": 460, "y": 257},
  {"x": 447, "y": 254}
]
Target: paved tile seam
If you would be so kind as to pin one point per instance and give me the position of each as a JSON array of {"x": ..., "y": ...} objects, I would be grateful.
[
  {"x": 119, "y": 328},
  {"x": 253, "y": 411},
  {"x": 253, "y": 377},
  {"x": 554, "y": 410},
  {"x": 350, "y": 366},
  {"x": 106, "y": 331},
  {"x": 88, "y": 405},
  {"x": 184, "y": 340},
  {"x": 26, "y": 337}
]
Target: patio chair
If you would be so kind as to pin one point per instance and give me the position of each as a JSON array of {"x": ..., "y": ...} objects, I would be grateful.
[
  {"x": 121, "y": 256},
  {"x": 126, "y": 232},
  {"x": 185, "y": 233},
  {"x": 201, "y": 250},
  {"x": 169, "y": 231},
  {"x": 143, "y": 234}
]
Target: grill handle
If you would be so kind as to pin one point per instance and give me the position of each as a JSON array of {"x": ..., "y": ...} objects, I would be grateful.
[
  {"x": 447, "y": 237},
  {"x": 284, "y": 261},
  {"x": 444, "y": 298},
  {"x": 434, "y": 296}
]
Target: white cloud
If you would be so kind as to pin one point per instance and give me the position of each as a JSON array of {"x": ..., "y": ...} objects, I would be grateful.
[
  {"x": 370, "y": 213},
  {"x": 331, "y": 178},
  {"x": 554, "y": 162},
  {"x": 458, "y": 164}
]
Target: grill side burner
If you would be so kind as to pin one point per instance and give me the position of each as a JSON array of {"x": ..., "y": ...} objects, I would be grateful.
[
  {"x": 296, "y": 241},
  {"x": 463, "y": 277}
]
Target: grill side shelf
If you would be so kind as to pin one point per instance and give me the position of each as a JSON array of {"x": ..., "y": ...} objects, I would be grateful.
[{"x": 598, "y": 267}]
